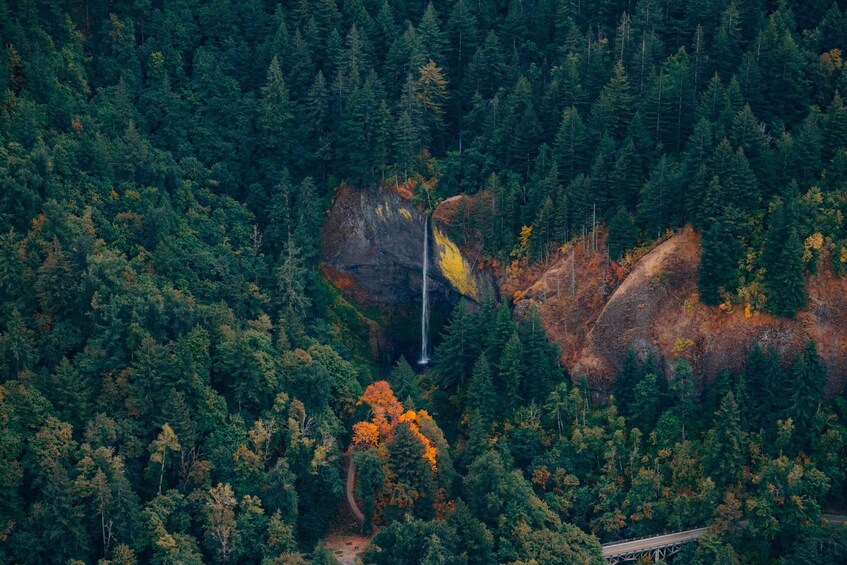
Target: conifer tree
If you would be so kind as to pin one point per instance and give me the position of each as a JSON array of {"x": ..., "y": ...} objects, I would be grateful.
[
  {"x": 561, "y": 215},
  {"x": 646, "y": 405},
  {"x": 463, "y": 29},
  {"x": 802, "y": 396},
  {"x": 431, "y": 91},
  {"x": 727, "y": 43},
  {"x": 542, "y": 231},
  {"x": 403, "y": 382},
  {"x": 501, "y": 332},
  {"x": 370, "y": 478},
  {"x": 458, "y": 350},
  {"x": 784, "y": 280},
  {"x": 741, "y": 188},
  {"x": 726, "y": 442},
  {"x": 628, "y": 377},
  {"x": 291, "y": 282},
  {"x": 481, "y": 394},
  {"x": 486, "y": 68},
  {"x": 623, "y": 234},
  {"x": 626, "y": 177},
  {"x": 409, "y": 467},
  {"x": 762, "y": 379},
  {"x": 570, "y": 145},
  {"x": 275, "y": 109},
  {"x": 612, "y": 111},
  {"x": 662, "y": 202},
  {"x": 719, "y": 256},
  {"x": 432, "y": 38},
  {"x": 541, "y": 367},
  {"x": 511, "y": 374}
]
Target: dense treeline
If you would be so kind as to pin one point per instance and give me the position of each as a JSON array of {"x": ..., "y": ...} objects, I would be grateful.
[
  {"x": 652, "y": 113},
  {"x": 173, "y": 388},
  {"x": 667, "y": 452}
]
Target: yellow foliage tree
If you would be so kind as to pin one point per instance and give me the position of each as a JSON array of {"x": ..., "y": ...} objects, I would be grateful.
[
  {"x": 431, "y": 88},
  {"x": 526, "y": 233}
]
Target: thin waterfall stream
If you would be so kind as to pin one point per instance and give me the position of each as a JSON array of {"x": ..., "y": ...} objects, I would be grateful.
[{"x": 425, "y": 298}]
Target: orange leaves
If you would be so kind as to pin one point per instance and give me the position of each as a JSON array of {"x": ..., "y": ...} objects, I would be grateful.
[
  {"x": 540, "y": 476},
  {"x": 414, "y": 418},
  {"x": 365, "y": 435},
  {"x": 831, "y": 60},
  {"x": 387, "y": 413},
  {"x": 384, "y": 406}
]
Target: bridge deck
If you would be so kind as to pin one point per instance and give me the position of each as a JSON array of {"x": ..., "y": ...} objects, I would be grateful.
[
  {"x": 656, "y": 542},
  {"x": 616, "y": 551}
]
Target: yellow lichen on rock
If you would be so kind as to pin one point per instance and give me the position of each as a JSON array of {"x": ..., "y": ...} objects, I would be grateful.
[
  {"x": 386, "y": 211},
  {"x": 454, "y": 266}
]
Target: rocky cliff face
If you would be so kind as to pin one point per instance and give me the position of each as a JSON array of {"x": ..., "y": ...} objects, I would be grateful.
[
  {"x": 654, "y": 308},
  {"x": 372, "y": 250}
]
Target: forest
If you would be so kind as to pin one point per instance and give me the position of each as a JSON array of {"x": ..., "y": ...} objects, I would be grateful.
[{"x": 177, "y": 381}]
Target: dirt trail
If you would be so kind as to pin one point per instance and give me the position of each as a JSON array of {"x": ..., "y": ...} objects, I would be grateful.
[
  {"x": 351, "y": 483},
  {"x": 346, "y": 546}
]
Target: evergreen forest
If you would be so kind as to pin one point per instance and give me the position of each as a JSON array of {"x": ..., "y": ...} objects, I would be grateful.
[{"x": 181, "y": 383}]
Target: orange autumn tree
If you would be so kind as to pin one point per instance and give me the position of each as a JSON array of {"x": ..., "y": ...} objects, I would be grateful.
[
  {"x": 386, "y": 414},
  {"x": 402, "y": 461},
  {"x": 385, "y": 411}
]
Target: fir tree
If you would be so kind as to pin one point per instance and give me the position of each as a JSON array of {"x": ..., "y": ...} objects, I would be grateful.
[
  {"x": 762, "y": 378},
  {"x": 726, "y": 442},
  {"x": 458, "y": 350},
  {"x": 432, "y": 38},
  {"x": 718, "y": 271},
  {"x": 612, "y": 111},
  {"x": 403, "y": 382},
  {"x": 570, "y": 145},
  {"x": 802, "y": 394},
  {"x": 623, "y": 234},
  {"x": 510, "y": 374},
  {"x": 784, "y": 280},
  {"x": 408, "y": 466},
  {"x": 481, "y": 394}
]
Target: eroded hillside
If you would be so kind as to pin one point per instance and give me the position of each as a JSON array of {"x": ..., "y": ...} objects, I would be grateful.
[{"x": 652, "y": 306}]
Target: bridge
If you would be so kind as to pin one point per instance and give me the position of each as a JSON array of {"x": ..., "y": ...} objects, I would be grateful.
[
  {"x": 663, "y": 546},
  {"x": 655, "y": 547}
]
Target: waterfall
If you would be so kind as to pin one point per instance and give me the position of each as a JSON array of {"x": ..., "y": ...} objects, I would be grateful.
[{"x": 425, "y": 298}]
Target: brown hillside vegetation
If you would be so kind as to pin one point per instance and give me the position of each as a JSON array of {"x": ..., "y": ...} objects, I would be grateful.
[{"x": 655, "y": 309}]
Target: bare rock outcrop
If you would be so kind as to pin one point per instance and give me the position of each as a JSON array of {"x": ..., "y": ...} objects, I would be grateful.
[
  {"x": 655, "y": 309},
  {"x": 372, "y": 247},
  {"x": 372, "y": 251}
]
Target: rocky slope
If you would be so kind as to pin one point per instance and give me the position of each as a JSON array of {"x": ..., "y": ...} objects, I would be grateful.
[{"x": 653, "y": 307}]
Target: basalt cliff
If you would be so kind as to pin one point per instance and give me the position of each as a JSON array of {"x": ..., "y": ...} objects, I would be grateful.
[{"x": 372, "y": 250}]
